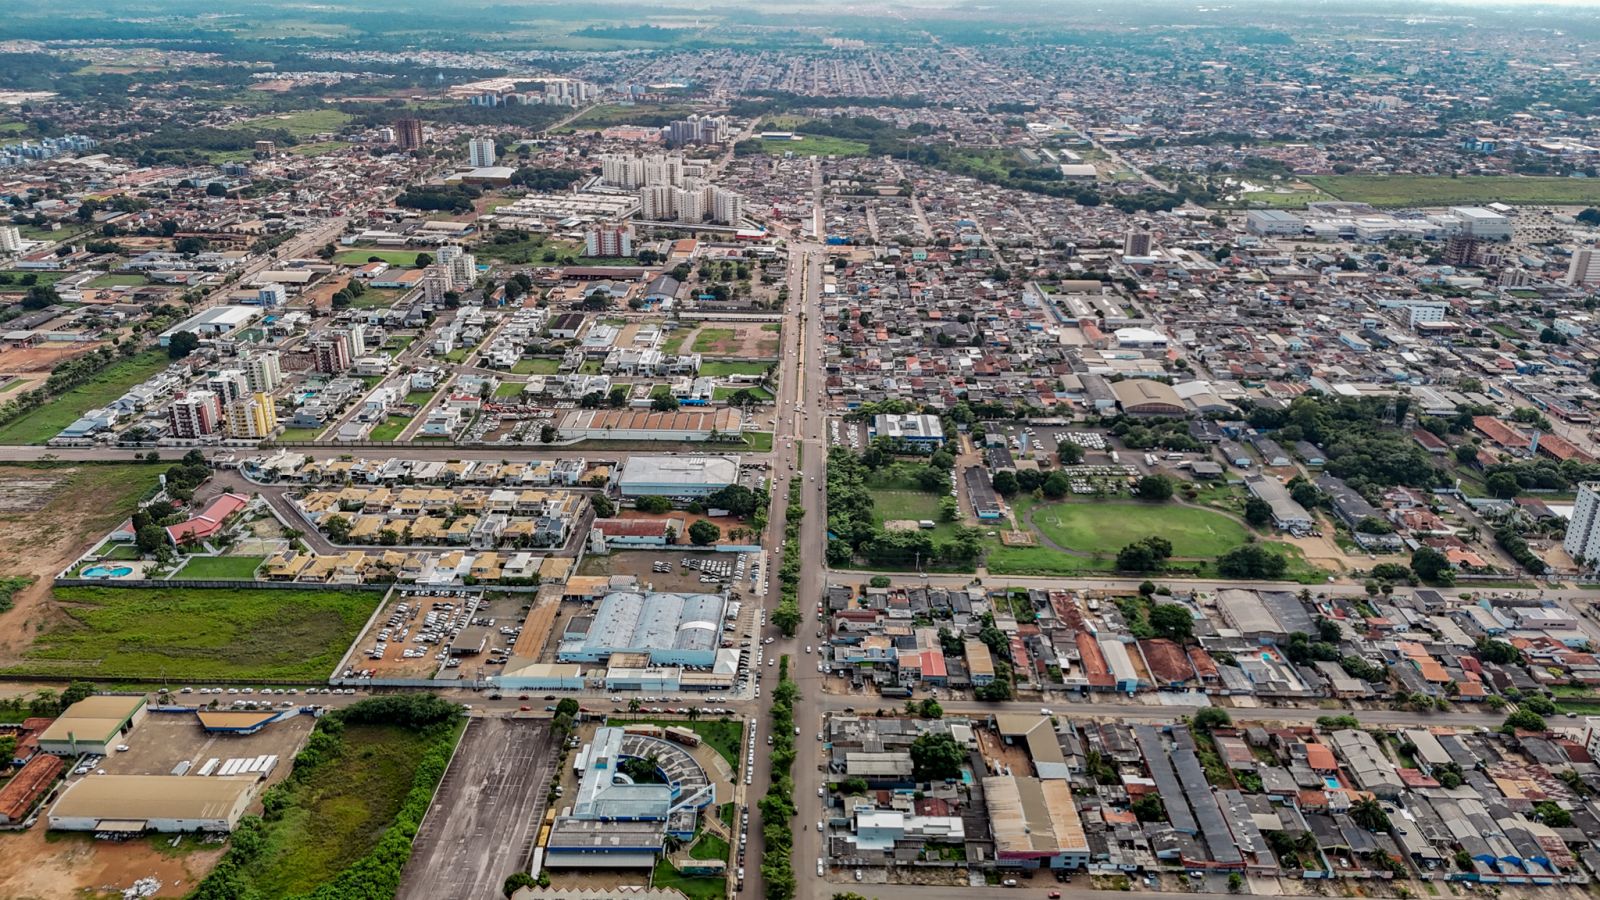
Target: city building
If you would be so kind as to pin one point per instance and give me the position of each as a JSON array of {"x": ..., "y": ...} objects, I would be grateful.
[
  {"x": 261, "y": 370},
  {"x": 1482, "y": 223},
  {"x": 916, "y": 429},
  {"x": 1583, "y": 271},
  {"x": 480, "y": 152},
  {"x": 609, "y": 239},
  {"x": 1582, "y": 542},
  {"x": 10, "y": 239},
  {"x": 254, "y": 416},
  {"x": 408, "y": 133},
  {"x": 195, "y": 414}
]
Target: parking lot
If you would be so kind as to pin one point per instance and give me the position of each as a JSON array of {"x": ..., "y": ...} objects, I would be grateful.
[
  {"x": 664, "y": 570},
  {"x": 485, "y": 814}
]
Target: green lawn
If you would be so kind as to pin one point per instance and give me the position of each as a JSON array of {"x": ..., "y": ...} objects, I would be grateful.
[
  {"x": 710, "y": 846},
  {"x": 509, "y": 389},
  {"x": 419, "y": 398},
  {"x": 815, "y": 145},
  {"x": 389, "y": 428},
  {"x": 459, "y": 354},
  {"x": 722, "y": 394},
  {"x": 220, "y": 568},
  {"x": 360, "y": 256},
  {"x": 299, "y": 434},
  {"x": 707, "y": 339},
  {"x": 758, "y": 441},
  {"x": 115, "y": 280},
  {"x": 607, "y": 114},
  {"x": 718, "y": 368},
  {"x": 194, "y": 634},
  {"x": 12, "y": 280},
  {"x": 337, "y": 815},
  {"x": 1108, "y": 527},
  {"x": 1439, "y": 190},
  {"x": 300, "y": 123},
  {"x": 536, "y": 365},
  {"x": 113, "y": 381},
  {"x": 698, "y": 888},
  {"x": 723, "y": 736},
  {"x": 319, "y": 148}
]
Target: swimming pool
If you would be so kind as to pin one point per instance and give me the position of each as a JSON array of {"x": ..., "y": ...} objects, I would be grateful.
[{"x": 107, "y": 572}]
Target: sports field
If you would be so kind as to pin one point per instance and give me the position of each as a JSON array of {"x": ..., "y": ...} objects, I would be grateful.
[{"x": 1108, "y": 527}]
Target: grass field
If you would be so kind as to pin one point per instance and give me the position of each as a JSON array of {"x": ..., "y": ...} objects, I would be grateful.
[
  {"x": 338, "y": 814},
  {"x": 708, "y": 339},
  {"x": 194, "y": 634},
  {"x": 536, "y": 366},
  {"x": 608, "y": 114},
  {"x": 13, "y": 278},
  {"x": 696, "y": 888},
  {"x": 363, "y": 255},
  {"x": 723, "y": 736},
  {"x": 42, "y": 424},
  {"x": 220, "y": 568},
  {"x": 717, "y": 368},
  {"x": 508, "y": 389},
  {"x": 721, "y": 394},
  {"x": 1439, "y": 190},
  {"x": 1108, "y": 527},
  {"x": 710, "y": 846},
  {"x": 115, "y": 280},
  {"x": 300, "y": 123},
  {"x": 816, "y": 145},
  {"x": 389, "y": 428},
  {"x": 299, "y": 434}
]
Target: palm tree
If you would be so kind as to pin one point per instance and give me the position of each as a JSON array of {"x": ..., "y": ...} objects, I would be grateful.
[{"x": 1368, "y": 813}]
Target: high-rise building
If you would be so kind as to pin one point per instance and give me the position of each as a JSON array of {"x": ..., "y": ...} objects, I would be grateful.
[
  {"x": 10, "y": 239},
  {"x": 726, "y": 206},
  {"x": 1585, "y": 268},
  {"x": 625, "y": 171},
  {"x": 261, "y": 371},
  {"x": 609, "y": 240},
  {"x": 330, "y": 354},
  {"x": 460, "y": 267},
  {"x": 229, "y": 385},
  {"x": 480, "y": 152},
  {"x": 1461, "y": 250},
  {"x": 252, "y": 416},
  {"x": 435, "y": 283},
  {"x": 1582, "y": 542},
  {"x": 194, "y": 414},
  {"x": 655, "y": 203},
  {"x": 1137, "y": 243},
  {"x": 408, "y": 133}
]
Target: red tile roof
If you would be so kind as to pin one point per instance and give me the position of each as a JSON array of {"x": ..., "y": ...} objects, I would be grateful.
[{"x": 209, "y": 521}]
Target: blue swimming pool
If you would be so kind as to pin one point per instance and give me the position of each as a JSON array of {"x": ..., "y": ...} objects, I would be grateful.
[{"x": 107, "y": 572}]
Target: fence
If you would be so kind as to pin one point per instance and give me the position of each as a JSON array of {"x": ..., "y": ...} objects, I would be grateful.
[{"x": 227, "y": 585}]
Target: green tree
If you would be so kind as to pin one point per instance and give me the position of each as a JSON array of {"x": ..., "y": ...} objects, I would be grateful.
[
  {"x": 935, "y": 757},
  {"x": 1056, "y": 486},
  {"x": 1211, "y": 718},
  {"x": 1149, "y": 808},
  {"x": 1154, "y": 488},
  {"x": 1523, "y": 720},
  {"x": 182, "y": 344},
  {"x": 603, "y": 507},
  {"x": 703, "y": 533},
  {"x": 1005, "y": 483},
  {"x": 664, "y": 403},
  {"x": 930, "y": 709},
  {"x": 1368, "y": 813},
  {"x": 518, "y": 880},
  {"x": 1172, "y": 621},
  {"x": 1429, "y": 564},
  {"x": 149, "y": 538},
  {"x": 1502, "y": 485},
  {"x": 653, "y": 504},
  {"x": 1258, "y": 512}
]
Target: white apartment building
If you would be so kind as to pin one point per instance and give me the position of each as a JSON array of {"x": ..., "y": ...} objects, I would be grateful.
[
  {"x": 10, "y": 239},
  {"x": 480, "y": 153},
  {"x": 1582, "y": 542},
  {"x": 262, "y": 371},
  {"x": 1585, "y": 268}
]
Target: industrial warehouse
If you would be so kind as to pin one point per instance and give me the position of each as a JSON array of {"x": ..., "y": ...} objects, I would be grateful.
[
  {"x": 671, "y": 629},
  {"x": 133, "y": 804},
  {"x": 677, "y": 476}
]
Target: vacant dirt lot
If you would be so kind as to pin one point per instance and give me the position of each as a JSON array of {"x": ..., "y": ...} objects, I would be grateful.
[
  {"x": 743, "y": 341},
  {"x": 44, "y": 866},
  {"x": 42, "y": 358}
]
